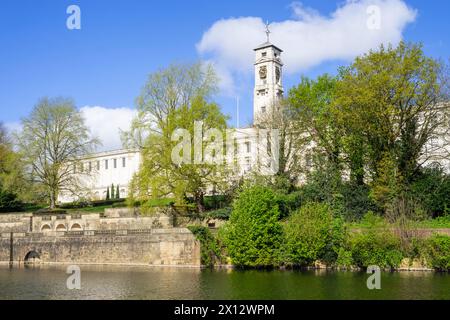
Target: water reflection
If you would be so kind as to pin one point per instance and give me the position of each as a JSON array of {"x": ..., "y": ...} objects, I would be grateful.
[{"x": 118, "y": 282}]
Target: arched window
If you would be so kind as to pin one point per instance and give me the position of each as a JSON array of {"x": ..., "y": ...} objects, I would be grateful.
[
  {"x": 61, "y": 227},
  {"x": 76, "y": 227},
  {"x": 46, "y": 228}
]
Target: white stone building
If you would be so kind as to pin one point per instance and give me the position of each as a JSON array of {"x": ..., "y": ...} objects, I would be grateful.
[{"x": 101, "y": 170}]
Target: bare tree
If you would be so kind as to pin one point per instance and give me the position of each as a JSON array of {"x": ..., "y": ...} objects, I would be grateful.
[
  {"x": 291, "y": 142},
  {"x": 53, "y": 139}
]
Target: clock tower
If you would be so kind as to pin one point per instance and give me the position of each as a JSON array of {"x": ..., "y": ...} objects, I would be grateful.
[{"x": 268, "y": 74}]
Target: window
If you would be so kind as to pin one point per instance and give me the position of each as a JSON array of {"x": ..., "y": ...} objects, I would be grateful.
[
  {"x": 264, "y": 54},
  {"x": 115, "y": 163},
  {"x": 98, "y": 165},
  {"x": 124, "y": 162},
  {"x": 248, "y": 164},
  {"x": 74, "y": 168},
  {"x": 106, "y": 164},
  {"x": 263, "y": 109},
  {"x": 90, "y": 166},
  {"x": 248, "y": 147}
]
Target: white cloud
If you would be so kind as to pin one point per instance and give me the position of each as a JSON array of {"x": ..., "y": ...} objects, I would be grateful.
[
  {"x": 308, "y": 39},
  {"x": 106, "y": 123},
  {"x": 13, "y": 127}
]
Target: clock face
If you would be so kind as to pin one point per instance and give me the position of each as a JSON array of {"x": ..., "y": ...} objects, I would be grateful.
[{"x": 263, "y": 72}]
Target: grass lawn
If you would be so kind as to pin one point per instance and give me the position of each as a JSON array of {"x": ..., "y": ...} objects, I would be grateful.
[
  {"x": 437, "y": 223},
  {"x": 441, "y": 222}
]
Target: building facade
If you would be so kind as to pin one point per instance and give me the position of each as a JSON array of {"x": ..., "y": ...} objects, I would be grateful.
[
  {"x": 251, "y": 145},
  {"x": 100, "y": 171}
]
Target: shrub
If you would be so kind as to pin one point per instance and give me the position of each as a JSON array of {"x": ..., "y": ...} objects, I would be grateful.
[
  {"x": 209, "y": 246},
  {"x": 312, "y": 233},
  {"x": 253, "y": 234},
  {"x": 215, "y": 202},
  {"x": 50, "y": 211},
  {"x": 438, "y": 252},
  {"x": 223, "y": 214},
  {"x": 9, "y": 202},
  {"x": 431, "y": 189},
  {"x": 288, "y": 203},
  {"x": 376, "y": 245},
  {"x": 348, "y": 199},
  {"x": 344, "y": 258},
  {"x": 95, "y": 203},
  {"x": 356, "y": 201}
]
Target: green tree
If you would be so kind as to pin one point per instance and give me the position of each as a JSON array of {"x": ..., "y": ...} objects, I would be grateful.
[
  {"x": 312, "y": 101},
  {"x": 312, "y": 233},
  {"x": 108, "y": 197},
  {"x": 390, "y": 98},
  {"x": 432, "y": 189},
  {"x": 253, "y": 234},
  {"x": 117, "y": 192},
  {"x": 438, "y": 252},
  {"x": 52, "y": 140},
  {"x": 113, "y": 196},
  {"x": 165, "y": 91},
  {"x": 11, "y": 175},
  {"x": 177, "y": 98}
]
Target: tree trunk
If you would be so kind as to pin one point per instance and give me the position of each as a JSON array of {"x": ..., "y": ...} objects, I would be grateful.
[
  {"x": 52, "y": 199},
  {"x": 198, "y": 197}
]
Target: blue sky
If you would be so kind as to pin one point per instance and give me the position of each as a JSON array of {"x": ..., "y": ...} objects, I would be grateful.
[{"x": 106, "y": 63}]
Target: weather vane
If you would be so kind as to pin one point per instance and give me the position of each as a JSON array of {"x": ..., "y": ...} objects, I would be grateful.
[{"x": 267, "y": 30}]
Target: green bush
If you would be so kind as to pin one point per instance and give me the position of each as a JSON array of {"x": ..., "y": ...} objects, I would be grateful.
[
  {"x": 347, "y": 199},
  {"x": 9, "y": 202},
  {"x": 312, "y": 233},
  {"x": 209, "y": 246},
  {"x": 344, "y": 258},
  {"x": 223, "y": 214},
  {"x": 253, "y": 234},
  {"x": 215, "y": 202},
  {"x": 288, "y": 203},
  {"x": 50, "y": 211},
  {"x": 375, "y": 245},
  {"x": 94, "y": 203},
  {"x": 438, "y": 252},
  {"x": 356, "y": 201},
  {"x": 432, "y": 189}
]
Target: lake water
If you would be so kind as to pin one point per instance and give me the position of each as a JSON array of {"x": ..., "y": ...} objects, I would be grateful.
[{"x": 114, "y": 282}]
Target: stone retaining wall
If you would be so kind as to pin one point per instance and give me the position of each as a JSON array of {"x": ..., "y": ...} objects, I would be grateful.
[{"x": 173, "y": 246}]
